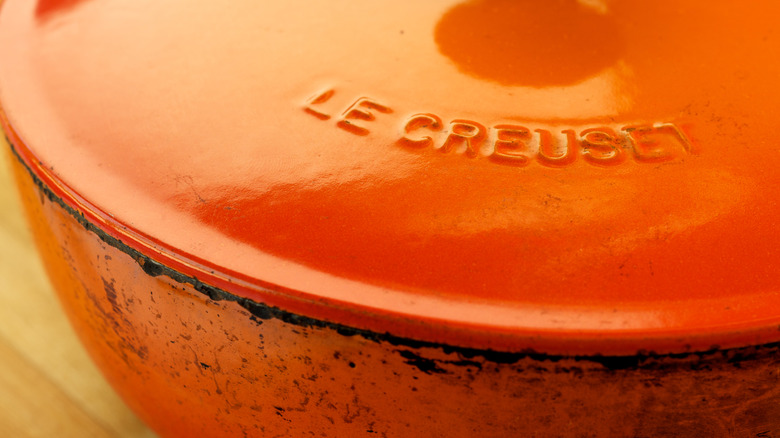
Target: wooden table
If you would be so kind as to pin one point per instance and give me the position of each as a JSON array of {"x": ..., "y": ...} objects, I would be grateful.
[{"x": 48, "y": 385}]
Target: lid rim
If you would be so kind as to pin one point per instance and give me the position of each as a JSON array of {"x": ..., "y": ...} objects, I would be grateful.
[{"x": 469, "y": 340}]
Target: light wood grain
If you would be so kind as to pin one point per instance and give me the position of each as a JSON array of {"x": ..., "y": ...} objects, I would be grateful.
[{"x": 48, "y": 385}]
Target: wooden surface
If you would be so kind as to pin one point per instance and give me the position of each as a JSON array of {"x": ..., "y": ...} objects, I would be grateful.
[{"x": 48, "y": 385}]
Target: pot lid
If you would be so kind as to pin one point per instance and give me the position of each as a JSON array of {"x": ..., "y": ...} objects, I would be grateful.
[{"x": 573, "y": 177}]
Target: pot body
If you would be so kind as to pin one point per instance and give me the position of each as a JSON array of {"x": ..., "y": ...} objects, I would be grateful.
[{"x": 195, "y": 363}]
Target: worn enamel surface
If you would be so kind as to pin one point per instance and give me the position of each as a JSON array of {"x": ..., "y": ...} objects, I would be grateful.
[
  {"x": 194, "y": 366},
  {"x": 411, "y": 168}
]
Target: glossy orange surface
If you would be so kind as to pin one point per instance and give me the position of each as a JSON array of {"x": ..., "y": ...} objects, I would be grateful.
[{"x": 576, "y": 178}]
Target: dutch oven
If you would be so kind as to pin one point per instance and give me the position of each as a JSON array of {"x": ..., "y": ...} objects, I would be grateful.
[{"x": 410, "y": 219}]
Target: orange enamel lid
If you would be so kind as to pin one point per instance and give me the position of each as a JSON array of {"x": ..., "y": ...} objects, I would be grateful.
[{"x": 569, "y": 177}]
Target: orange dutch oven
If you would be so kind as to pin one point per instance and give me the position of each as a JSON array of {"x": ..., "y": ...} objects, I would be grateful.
[{"x": 432, "y": 219}]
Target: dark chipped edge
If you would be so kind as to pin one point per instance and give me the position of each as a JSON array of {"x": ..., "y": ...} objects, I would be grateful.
[{"x": 260, "y": 311}]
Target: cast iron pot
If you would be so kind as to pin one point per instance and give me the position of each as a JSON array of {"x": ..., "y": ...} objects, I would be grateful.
[{"x": 437, "y": 219}]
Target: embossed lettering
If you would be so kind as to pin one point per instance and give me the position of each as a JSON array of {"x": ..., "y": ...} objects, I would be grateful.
[
  {"x": 360, "y": 111},
  {"x": 465, "y": 132},
  {"x": 547, "y": 155},
  {"x": 602, "y": 146},
  {"x": 318, "y": 100},
  {"x": 655, "y": 144},
  {"x": 510, "y": 145},
  {"x": 516, "y": 145},
  {"x": 417, "y": 122}
]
